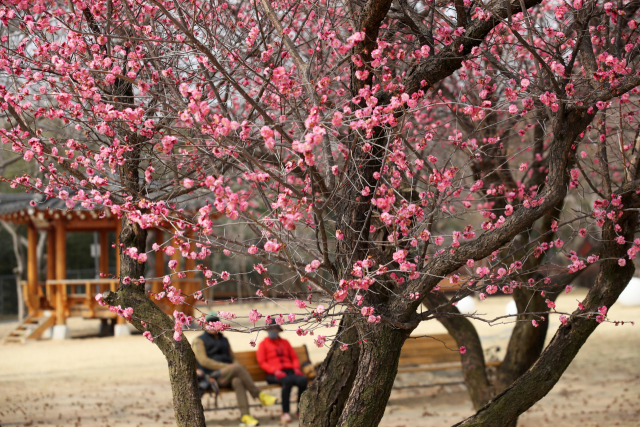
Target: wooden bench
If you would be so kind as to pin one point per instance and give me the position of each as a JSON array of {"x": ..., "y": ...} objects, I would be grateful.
[
  {"x": 248, "y": 360},
  {"x": 429, "y": 353},
  {"x": 437, "y": 352}
]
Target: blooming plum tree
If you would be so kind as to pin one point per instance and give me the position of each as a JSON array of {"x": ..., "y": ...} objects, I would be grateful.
[{"x": 373, "y": 148}]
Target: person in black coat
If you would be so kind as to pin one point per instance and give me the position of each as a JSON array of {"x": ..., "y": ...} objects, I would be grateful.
[{"x": 216, "y": 359}]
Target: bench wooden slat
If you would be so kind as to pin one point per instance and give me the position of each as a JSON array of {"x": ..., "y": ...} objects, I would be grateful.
[
  {"x": 411, "y": 347},
  {"x": 427, "y": 360},
  {"x": 429, "y": 368},
  {"x": 434, "y": 349}
]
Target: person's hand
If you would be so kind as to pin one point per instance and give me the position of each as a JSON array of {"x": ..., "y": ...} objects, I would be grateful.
[
  {"x": 199, "y": 372},
  {"x": 279, "y": 374},
  {"x": 298, "y": 372}
]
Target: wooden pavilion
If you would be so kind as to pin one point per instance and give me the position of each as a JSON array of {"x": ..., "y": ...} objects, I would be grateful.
[{"x": 52, "y": 301}]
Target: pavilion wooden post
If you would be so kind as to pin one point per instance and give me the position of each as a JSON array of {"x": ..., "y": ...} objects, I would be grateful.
[
  {"x": 103, "y": 261},
  {"x": 61, "y": 270},
  {"x": 32, "y": 299},
  {"x": 51, "y": 263}
]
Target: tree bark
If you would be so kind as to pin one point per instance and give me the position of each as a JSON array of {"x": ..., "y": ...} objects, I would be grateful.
[{"x": 377, "y": 369}]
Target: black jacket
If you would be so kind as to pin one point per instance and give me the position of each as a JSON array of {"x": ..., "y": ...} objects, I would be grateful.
[{"x": 217, "y": 348}]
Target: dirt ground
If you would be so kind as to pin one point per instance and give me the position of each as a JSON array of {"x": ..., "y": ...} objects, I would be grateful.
[{"x": 117, "y": 382}]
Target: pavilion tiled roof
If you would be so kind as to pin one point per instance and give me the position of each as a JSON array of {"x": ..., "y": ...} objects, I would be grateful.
[
  {"x": 15, "y": 202},
  {"x": 17, "y": 205}
]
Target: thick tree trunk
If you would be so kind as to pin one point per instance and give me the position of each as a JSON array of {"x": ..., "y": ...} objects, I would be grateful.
[
  {"x": 377, "y": 369},
  {"x": 19, "y": 268},
  {"x": 181, "y": 361},
  {"x": 353, "y": 387},
  {"x": 322, "y": 404}
]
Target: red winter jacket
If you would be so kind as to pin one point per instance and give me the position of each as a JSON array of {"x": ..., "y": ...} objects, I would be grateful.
[{"x": 274, "y": 355}]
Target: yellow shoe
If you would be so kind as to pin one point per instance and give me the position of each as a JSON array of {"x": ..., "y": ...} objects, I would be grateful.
[
  {"x": 248, "y": 420},
  {"x": 266, "y": 399}
]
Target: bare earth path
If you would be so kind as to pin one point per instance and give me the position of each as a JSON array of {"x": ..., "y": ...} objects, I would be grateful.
[{"x": 118, "y": 382}]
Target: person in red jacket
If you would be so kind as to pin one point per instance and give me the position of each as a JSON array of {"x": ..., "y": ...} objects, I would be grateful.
[{"x": 278, "y": 359}]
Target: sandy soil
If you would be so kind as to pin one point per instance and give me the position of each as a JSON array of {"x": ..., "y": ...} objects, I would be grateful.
[{"x": 114, "y": 382}]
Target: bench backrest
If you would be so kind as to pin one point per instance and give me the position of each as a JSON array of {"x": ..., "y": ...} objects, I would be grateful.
[
  {"x": 427, "y": 350},
  {"x": 420, "y": 351},
  {"x": 249, "y": 361}
]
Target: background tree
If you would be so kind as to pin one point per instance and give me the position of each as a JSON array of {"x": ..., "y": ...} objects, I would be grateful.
[{"x": 373, "y": 149}]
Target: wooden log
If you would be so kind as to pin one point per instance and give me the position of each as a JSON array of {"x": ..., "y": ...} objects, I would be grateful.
[{"x": 89, "y": 299}]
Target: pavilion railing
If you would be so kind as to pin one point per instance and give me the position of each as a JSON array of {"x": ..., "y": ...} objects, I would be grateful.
[{"x": 70, "y": 297}]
